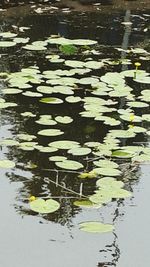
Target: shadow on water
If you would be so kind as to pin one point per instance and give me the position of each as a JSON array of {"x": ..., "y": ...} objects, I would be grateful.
[{"x": 44, "y": 180}]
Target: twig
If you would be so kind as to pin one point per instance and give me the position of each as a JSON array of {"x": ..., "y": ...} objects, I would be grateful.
[{"x": 67, "y": 189}]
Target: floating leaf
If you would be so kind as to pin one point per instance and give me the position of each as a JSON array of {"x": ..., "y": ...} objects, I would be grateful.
[
  {"x": 122, "y": 133},
  {"x": 57, "y": 158},
  {"x": 131, "y": 117},
  {"x": 45, "y": 149},
  {"x": 90, "y": 175},
  {"x": 79, "y": 151},
  {"x": 96, "y": 227},
  {"x": 100, "y": 197},
  {"x": 7, "y": 43},
  {"x": 44, "y": 206},
  {"x": 64, "y": 120},
  {"x": 68, "y": 49},
  {"x": 92, "y": 144},
  {"x": 19, "y": 40},
  {"x": 137, "y": 104},
  {"x": 141, "y": 158},
  {"x": 51, "y": 100},
  {"x": 107, "y": 171},
  {"x": 104, "y": 163},
  {"x": 28, "y": 114},
  {"x": 8, "y": 142},
  {"x": 8, "y": 34},
  {"x": 4, "y": 163},
  {"x": 122, "y": 154},
  {"x": 73, "y": 99},
  {"x": 50, "y": 132},
  {"x": 109, "y": 182},
  {"x": 28, "y": 146},
  {"x": 146, "y": 117},
  {"x": 69, "y": 165},
  {"x": 64, "y": 144},
  {"x": 138, "y": 129},
  {"x": 12, "y": 91},
  {"x": 85, "y": 204},
  {"x": 32, "y": 94}
]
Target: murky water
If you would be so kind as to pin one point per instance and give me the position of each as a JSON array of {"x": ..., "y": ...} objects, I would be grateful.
[{"x": 28, "y": 239}]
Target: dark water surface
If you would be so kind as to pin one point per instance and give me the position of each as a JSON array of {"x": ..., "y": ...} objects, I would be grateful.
[{"x": 28, "y": 239}]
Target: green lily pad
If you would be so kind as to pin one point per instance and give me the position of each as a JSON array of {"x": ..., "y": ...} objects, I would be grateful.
[
  {"x": 138, "y": 129},
  {"x": 79, "y": 151},
  {"x": 107, "y": 171},
  {"x": 7, "y": 43},
  {"x": 96, "y": 227},
  {"x": 64, "y": 144},
  {"x": 69, "y": 165},
  {"x": 45, "y": 149},
  {"x": 122, "y": 154},
  {"x": 8, "y": 164},
  {"x": 20, "y": 40},
  {"x": 8, "y": 142},
  {"x": 73, "y": 99},
  {"x": 122, "y": 133},
  {"x": 32, "y": 94},
  {"x": 51, "y": 100},
  {"x": 146, "y": 117},
  {"x": 28, "y": 114},
  {"x": 27, "y": 146},
  {"x": 100, "y": 198},
  {"x": 4, "y": 105},
  {"x": 57, "y": 158},
  {"x": 50, "y": 132},
  {"x": 141, "y": 158},
  {"x": 44, "y": 206},
  {"x": 85, "y": 204},
  {"x": 8, "y": 34},
  {"x": 137, "y": 104},
  {"x": 89, "y": 175},
  {"x": 104, "y": 163},
  {"x": 26, "y": 137},
  {"x": 64, "y": 119},
  {"x": 109, "y": 182},
  {"x": 11, "y": 91},
  {"x": 92, "y": 144}
]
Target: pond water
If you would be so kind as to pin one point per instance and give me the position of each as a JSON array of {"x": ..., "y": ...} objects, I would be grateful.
[{"x": 55, "y": 239}]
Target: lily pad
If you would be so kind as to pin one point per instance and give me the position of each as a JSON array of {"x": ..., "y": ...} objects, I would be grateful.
[
  {"x": 73, "y": 99},
  {"x": 104, "y": 163},
  {"x": 26, "y": 137},
  {"x": 57, "y": 158},
  {"x": 96, "y": 227},
  {"x": 79, "y": 151},
  {"x": 85, "y": 204},
  {"x": 45, "y": 149},
  {"x": 11, "y": 91},
  {"x": 51, "y": 100},
  {"x": 7, "y": 43},
  {"x": 69, "y": 165},
  {"x": 8, "y": 142},
  {"x": 8, "y": 164},
  {"x": 64, "y": 144},
  {"x": 64, "y": 120},
  {"x": 44, "y": 206},
  {"x": 107, "y": 171},
  {"x": 137, "y": 104},
  {"x": 109, "y": 182},
  {"x": 50, "y": 132},
  {"x": 122, "y": 154}
]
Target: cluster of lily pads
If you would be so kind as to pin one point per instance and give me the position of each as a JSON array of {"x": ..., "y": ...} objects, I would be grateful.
[{"x": 100, "y": 104}]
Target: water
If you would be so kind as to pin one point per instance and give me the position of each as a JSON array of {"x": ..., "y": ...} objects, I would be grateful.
[{"x": 28, "y": 239}]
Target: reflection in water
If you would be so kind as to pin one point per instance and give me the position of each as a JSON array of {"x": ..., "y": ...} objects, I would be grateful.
[{"x": 45, "y": 181}]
